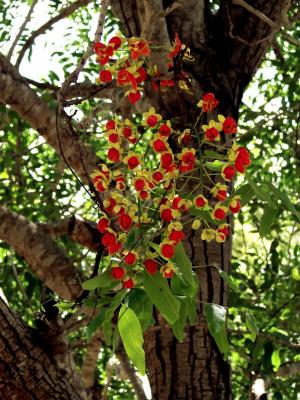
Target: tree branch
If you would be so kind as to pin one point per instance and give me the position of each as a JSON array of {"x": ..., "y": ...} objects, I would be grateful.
[
  {"x": 27, "y": 357},
  {"x": 46, "y": 259},
  {"x": 90, "y": 360},
  {"x": 98, "y": 34},
  {"x": 65, "y": 12},
  {"x": 26, "y": 20},
  {"x": 130, "y": 372},
  {"x": 79, "y": 230},
  {"x": 256, "y": 12},
  {"x": 32, "y": 108}
]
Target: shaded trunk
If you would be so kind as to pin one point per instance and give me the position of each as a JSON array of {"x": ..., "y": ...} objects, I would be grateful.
[{"x": 30, "y": 366}]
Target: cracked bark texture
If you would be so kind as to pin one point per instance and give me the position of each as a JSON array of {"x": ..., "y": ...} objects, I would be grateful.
[
  {"x": 28, "y": 369},
  {"x": 46, "y": 259},
  {"x": 228, "y": 46},
  {"x": 15, "y": 92}
]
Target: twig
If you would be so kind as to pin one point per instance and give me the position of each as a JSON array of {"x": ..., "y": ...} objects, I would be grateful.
[
  {"x": 129, "y": 371},
  {"x": 90, "y": 360},
  {"x": 26, "y": 20},
  {"x": 65, "y": 12},
  {"x": 256, "y": 12},
  {"x": 290, "y": 38},
  {"x": 98, "y": 34}
]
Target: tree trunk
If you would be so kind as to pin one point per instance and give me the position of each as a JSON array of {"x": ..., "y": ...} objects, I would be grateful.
[
  {"x": 30, "y": 366},
  {"x": 228, "y": 46}
]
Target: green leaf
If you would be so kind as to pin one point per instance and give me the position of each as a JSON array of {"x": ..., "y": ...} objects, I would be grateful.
[
  {"x": 95, "y": 324},
  {"x": 161, "y": 296},
  {"x": 246, "y": 192},
  {"x": 228, "y": 279},
  {"x": 251, "y": 325},
  {"x": 216, "y": 320},
  {"x": 285, "y": 200},
  {"x": 98, "y": 281},
  {"x": 260, "y": 193},
  {"x": 215, "y": 165},
  {"x": 178, "y": 326},
  {"x": 295, "y": 274},
  {"x": 64, "y": 306},
  {"x": 275, "y": 359},
  {"x": 132, "y": 237},
  {"x": 140, "y": 303},
  {"x": 131, "y": 334},
  {"x": 212, "y": 154},
  {"x": 184, "y": 265},
  {"x": 191, "y": 308},
  {"x": 267, "y": 220}
]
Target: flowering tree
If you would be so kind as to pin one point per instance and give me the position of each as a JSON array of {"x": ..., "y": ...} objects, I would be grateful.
[{"x": 158, "y": 172}]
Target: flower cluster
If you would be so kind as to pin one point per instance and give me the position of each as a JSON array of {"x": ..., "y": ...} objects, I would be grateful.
[{"x": 160, "y": 179}]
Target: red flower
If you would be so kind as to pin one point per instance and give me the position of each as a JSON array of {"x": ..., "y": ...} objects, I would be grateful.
[
  {"x": 110, "y": 124},
  {"x": 139, "y": 184},
  {"x": 125, "y": 222},
  {"x": 133, "y": 162},
  {"x": 108, "y": 239},
  {"x": 166, "y": 215},
  {"x": 133, "y": 97},
  {"x": 159, "y": 145},
  {"x": 235, "y": 206},
  {"x": 130, "y": 258},
  {"x": 219, "y": 213},
  {"x": 209, "y": 102},
  {"x": 167, "y": 83},
  {"x": 221, "y": 195},
  {"x": 151, "y": 266},
  {"x": 103, "y": 52},
  {"x": 113, "y": 154},
  {"x": 128, "y": 283},
  {"x": 164, "y": 130},
  {"x": 118, "y": 273},
  {"x": 152, "y": 121},
  {"x": 113, "y": 138},
  {"x": 188, "y": 157},
  {"x": 102, "y": 224},
  {"x": 112, "y": 202},
  {"x": 138, "y": 47},
  {"x": 224, "y": 230},
  {"x": 166, "y": 160},
  {"x": 99, "y": 186},
  {"x": 115, "y": 42},
  {"x": 242, "y": 160},
  {"x": 157, "y": 176},
  {"x": 211, "y": 134},
  {"x": 105, "y": 76},
  {"x": 228, "y": 172},
  {"x": 229, "y": 126},
  {"x": 176, "y": 236},
  {"x": 142, "y": 75},
  {"x": 167, "y": 250},
  {"x": 200, "y": 201},
  {"x": 114, "y": 248},
  {"x": 124, "y": 78}
]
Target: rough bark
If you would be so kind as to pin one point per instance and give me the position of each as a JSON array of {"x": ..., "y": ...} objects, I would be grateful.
[
  {"x": 46, "y": 259},
  {"x": 28, "y": 368},
  {"x": 79, "y": 230},
  {"x": 16, "y": 93}
]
